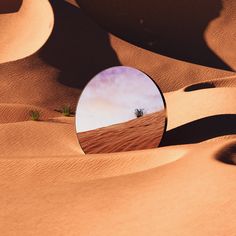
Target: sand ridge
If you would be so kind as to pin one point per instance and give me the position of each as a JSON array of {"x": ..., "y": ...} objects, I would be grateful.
[
  {"x": 193, "y": 31},
  {"x": 50, "y": 187},
  {"x": 63, "y": 201},
  {"x": 20, "y": 39},
  {"x": 137, "y": 134}
]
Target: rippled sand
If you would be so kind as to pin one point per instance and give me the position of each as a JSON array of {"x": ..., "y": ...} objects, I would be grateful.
[{"x": 49, "y": 187}]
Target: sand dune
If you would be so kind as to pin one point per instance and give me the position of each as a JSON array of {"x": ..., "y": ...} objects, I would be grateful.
[
  {"x": 49, "y": 187},
  {"x": 82, "y": 45},
  {"x": 204, "y": 103},
  {"x": 141, "y": 133},
  {"x": 20, "y": 39},
  {"x": 173, "y": 28},
  {"x": 174, "y": 194},
  {"x": 11, "y": 113}
]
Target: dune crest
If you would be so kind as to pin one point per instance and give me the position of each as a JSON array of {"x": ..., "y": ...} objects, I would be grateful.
[
  {"x": 140, "y": 133},
  {"x": 50, "y": 187},
  {"x": 18, "y": 38}
]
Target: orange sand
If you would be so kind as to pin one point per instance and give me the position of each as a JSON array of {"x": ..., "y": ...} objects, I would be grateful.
[
  {"x": 137, "y": 134},
  {"x": 49, "y": 187},
  {"x": 24, "y": 28}
]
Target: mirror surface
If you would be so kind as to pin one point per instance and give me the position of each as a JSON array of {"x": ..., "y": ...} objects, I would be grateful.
[{"x": 120, "y": 109}]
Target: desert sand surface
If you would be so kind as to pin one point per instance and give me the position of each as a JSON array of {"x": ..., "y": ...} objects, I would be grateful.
[
  {"x": 49, "y": 187},
  {"x": 24, "y": 28},
  {"x": 136, "y": 134}
]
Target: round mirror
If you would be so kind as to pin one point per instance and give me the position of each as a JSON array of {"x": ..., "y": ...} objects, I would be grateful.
[{"x": 120, "y": 109}]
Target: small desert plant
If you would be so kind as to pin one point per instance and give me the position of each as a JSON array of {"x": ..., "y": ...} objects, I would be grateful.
[
  {"x": 65, "y": 110},
  {"x": 139, "y": 112},
  {"x": 34, "y": 115}
]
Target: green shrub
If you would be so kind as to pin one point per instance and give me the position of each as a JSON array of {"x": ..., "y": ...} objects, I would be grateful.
[
  {"x": 34, "y": 115},
  {"x": 65, "y": 110}
]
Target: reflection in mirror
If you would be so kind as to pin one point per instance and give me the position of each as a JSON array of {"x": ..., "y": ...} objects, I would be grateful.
[{"x": 120, "y": 109}]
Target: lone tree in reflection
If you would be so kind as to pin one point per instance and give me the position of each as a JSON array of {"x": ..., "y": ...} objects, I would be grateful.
[{"x": 139, "y": 112}]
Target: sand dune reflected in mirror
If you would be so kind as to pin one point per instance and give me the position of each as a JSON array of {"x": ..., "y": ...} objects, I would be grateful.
[{"x": 123, "y": 109}]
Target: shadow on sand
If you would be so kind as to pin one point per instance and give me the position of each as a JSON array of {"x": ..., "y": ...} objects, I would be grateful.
[
  {"x": 228, "y": 154},
  {"x": 172, "y": 28},
  {"x": 77, "y": 46},
  {"x": 10, "y": 6},
  {"x": 201, "y": 130}
]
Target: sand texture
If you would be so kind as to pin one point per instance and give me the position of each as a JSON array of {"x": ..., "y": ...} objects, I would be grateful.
[
  {"x": 48, "y": 185},
  {"x": 24, "y": 32},
  {"x": 137, "y": 134}
]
